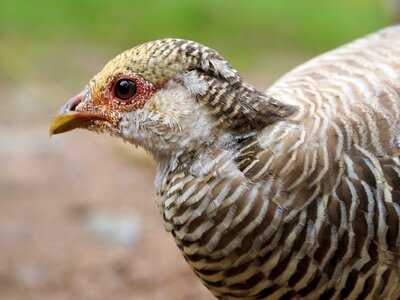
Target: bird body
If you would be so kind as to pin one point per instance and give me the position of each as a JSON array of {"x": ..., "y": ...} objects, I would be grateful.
[{"x": 289, "y": 194}]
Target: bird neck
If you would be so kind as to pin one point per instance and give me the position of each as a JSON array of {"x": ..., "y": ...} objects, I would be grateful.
[
  {"x": 219, "y": 119},
  {"x": 189, "y": 160}
]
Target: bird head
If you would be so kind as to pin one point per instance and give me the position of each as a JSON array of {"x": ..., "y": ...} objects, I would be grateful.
[{"x": 169, "y": 95}]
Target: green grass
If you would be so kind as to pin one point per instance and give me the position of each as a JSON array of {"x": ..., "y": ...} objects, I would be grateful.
[
  {"x": 241, "y": 30},
  {"x": 49, "y": 49},
  {"x": 310, "y": 23}
]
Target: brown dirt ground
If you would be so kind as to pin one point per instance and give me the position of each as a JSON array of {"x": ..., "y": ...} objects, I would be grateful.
[{"x": 48, "y": 188}]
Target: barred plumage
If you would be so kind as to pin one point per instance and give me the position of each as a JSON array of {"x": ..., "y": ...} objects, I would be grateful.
[{"x": 293, "y": 193}]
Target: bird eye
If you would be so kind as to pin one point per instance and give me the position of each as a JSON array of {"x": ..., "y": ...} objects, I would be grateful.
[{"x": 125, "y": 89}]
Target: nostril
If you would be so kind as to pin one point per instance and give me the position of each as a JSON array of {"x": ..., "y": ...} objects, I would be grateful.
[{"x": 73, "y": 103}]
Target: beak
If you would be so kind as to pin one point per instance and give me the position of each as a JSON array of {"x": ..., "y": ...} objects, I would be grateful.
[{"x": 68, "y": 118}]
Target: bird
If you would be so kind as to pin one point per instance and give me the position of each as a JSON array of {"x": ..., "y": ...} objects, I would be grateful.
[{"x": 288, "y": 193}]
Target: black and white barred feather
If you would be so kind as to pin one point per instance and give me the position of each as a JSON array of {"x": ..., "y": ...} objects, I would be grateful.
[{"x": 307, "y": 204}]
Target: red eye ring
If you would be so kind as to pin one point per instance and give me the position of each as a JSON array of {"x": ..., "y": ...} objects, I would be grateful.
[{"x": 128, "y": 91}]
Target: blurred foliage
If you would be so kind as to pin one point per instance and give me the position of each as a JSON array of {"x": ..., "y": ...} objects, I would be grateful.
[
  {"x": 241, "y": 30},
  {"x": 309, "y": 23}
]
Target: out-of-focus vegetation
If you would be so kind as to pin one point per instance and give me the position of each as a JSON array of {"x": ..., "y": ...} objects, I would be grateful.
[
  {"x": 240, "y": 28},
  {"x": 49, "y": 49},
  {"x": 307, "y": 23}
]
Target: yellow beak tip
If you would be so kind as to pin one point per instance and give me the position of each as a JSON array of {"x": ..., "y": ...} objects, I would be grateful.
[{"x": 65, "y": 122}]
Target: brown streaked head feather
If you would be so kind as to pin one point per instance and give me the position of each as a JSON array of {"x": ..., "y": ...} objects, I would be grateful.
[{"x": 234, "y": 105}]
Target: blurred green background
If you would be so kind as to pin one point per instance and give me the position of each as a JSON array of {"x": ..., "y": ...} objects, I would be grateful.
[
  {"x": 60, "y": 44},
  {"x": 59, "y": 39},
  {"x": 64, "y": 201},
  {"x": 51, "y": 48}
]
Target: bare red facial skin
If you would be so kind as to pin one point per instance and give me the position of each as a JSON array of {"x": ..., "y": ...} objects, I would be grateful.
[{"x": 144, "y": 90}]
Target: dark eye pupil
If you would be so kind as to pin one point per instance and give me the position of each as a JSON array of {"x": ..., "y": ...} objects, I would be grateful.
[{"x": 125, "y": 89}]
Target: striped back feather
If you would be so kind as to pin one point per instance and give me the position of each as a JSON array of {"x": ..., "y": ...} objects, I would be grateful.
[{"x": 309, "y": 206}]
